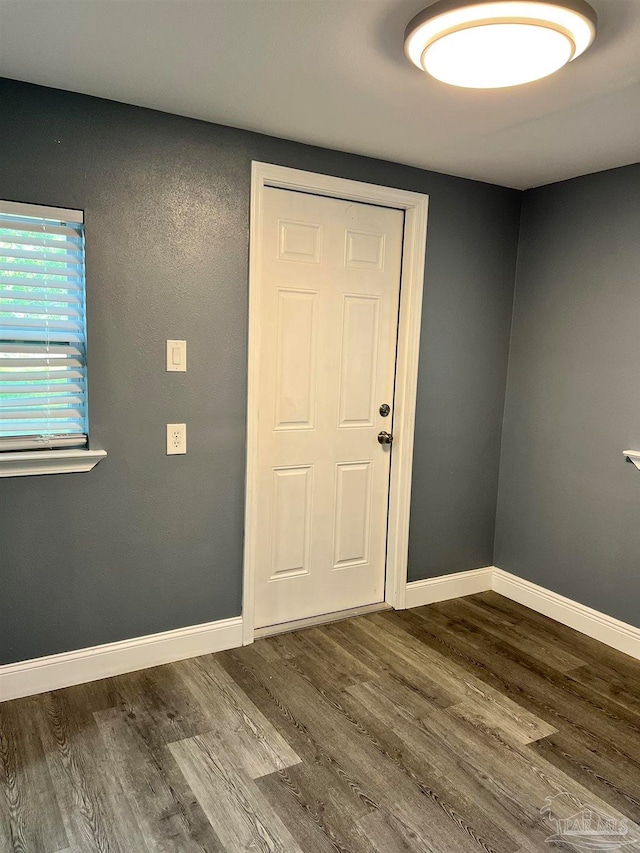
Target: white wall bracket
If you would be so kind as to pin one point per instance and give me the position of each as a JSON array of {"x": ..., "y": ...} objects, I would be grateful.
[{"x": 633, "y": 456}]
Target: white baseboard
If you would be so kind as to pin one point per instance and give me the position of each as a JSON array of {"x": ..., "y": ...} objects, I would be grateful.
[
  {"x": 612, "y": 632},
  {"x": 448, "y": 586},
  {"x": 26, "y": 678},
  {"x": 39, "y": 675}
]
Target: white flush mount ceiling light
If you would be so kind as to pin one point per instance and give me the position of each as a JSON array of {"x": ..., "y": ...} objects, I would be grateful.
[{"x": 490, "y": 44}]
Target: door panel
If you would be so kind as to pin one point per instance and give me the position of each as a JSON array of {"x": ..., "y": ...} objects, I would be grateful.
[
  {"x": 364, "y": 251},
  {"x": 292, "y": 511},
  {"x": 329, "y": 292},
  {"x": 359, "y": 360},
  {"x": 296, "y": 354},
  {"x": 353, "y": 511},
  {"x": 299, "y": 241}
]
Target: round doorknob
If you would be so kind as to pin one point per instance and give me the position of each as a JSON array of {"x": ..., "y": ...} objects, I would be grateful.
[{"x": 384, "y": 437}]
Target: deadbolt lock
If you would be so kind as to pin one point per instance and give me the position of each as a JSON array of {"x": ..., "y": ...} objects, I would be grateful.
[{"x": 384, "y": 410}]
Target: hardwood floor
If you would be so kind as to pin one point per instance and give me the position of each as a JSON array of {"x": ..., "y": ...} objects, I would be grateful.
[{"x": 443, "y": 729}]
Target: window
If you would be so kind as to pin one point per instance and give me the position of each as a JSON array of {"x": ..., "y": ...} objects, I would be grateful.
[{"x": 43, "y": 369}]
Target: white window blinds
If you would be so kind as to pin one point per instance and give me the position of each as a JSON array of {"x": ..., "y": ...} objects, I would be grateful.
[{"x": 43, "y": 382}]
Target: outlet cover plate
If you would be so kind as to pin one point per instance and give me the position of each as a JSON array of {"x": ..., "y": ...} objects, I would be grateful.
[{"x": 176, "y": 439}]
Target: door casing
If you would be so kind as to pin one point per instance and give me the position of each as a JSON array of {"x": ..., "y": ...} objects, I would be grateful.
[{"x": 415, "y": 207}]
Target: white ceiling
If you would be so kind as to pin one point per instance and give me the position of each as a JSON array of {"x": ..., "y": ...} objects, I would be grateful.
[{"x": 333, "y": 73}]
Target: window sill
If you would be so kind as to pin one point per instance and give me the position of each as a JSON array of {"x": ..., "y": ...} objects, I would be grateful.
[
  {"x": 29, "y": 463},
  {"x": 633, "y": 456}
]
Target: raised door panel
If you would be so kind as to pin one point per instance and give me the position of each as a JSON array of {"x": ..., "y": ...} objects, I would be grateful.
[
  {"x": 364, "y": 250},
  {"x": 359, "y": 360},
  {"x": 352, "y": 514},
  {"x": 296, "y": 331},
  {"x": 299, "y": 241},
  {"x": 291, "y": 526}
]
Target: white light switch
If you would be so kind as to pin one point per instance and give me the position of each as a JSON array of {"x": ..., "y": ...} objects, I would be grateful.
[
  {"x": 176, "y": 439},
  {"x": 177, "y": 356}
]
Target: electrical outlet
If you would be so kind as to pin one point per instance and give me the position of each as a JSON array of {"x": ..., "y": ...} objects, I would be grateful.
[{"x": 176, "y": 439}]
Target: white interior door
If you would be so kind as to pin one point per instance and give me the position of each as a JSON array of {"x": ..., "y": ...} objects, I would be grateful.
[{"x": 329, "y": 279}]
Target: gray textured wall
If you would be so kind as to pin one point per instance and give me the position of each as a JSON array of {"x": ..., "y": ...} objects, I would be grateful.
[
  {"x": 569, "y": 505},
  {"x": 146, "y": 543}
]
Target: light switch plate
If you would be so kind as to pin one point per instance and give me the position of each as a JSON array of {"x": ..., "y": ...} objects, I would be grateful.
[
  {"x": 176, "y": 439},
  {"x": 177, "y": 356}
]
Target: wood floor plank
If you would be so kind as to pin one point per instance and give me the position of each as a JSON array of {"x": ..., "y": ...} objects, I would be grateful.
[
  {"x": 534, "y": 645},
  {"x": 610, "y": 684},
  {"x": 367, "y": 762},
  {"x": 250, "y": 738},
  {"x": 450, "y": 776},
  {"x": 387, "y": 834},
  {"x": 477, "y": 699},
  {"x": 238, "y": 812},
  {"x": 313, "y": 808},
  {"x": 166, "y": 810},
  {"x": 332, "y": 659},
  {"x": 30, "y": 816},
  {"x": 592, "y": 734},
  {"x": 525, "y": 776},
  {"x": 280, "y": 647},
  {"x": 412, "y": 680},
  {"x": 604, "y": 708},
  {"x": 92, "y": 696},
  {"x": 161, "y": 702},
  {"x": 542, "y": 690},
  {"x": 303, "y": 815},
  {"x": 96, "y": 813},
  {"x": 403, "y": 695},
  {"x": 322, "y": 780},
  {"x": 198, "y": 697},
  {"x": 416, "y": 762},
  {"x": 592, "y": 652},
  {"x": 596, "y": 770},
  {"x": 515, "y": 723},
  {"x": 6, "y": 834},
  {"x": 408, "y": 663}
]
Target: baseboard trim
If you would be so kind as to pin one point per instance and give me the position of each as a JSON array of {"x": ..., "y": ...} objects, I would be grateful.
[
  {"x": 445, "y": 587},
  {"x": 27, "y": 678},
  {"x": 608, "y": 630},
  {"x": 39, "y": 675}
]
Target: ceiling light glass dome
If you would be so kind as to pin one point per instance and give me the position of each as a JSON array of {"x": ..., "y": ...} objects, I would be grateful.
[{"x": 490, "y": 44}]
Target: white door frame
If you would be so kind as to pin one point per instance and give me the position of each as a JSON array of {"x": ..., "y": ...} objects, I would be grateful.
[{"x": 415, "y": 207}]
